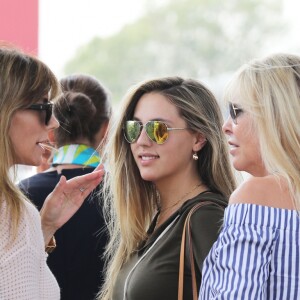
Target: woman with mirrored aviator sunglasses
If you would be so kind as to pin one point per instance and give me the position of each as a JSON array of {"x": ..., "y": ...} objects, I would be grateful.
[
  {"x": 166, "y": 154},
  {"x": 27, "y": 88}
]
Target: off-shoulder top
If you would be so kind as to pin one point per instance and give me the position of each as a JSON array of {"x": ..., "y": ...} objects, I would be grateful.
[{"x": 257, "y": 255}]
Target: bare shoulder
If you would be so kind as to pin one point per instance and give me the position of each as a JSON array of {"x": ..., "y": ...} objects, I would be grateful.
[{"x": 268, "y": 191}]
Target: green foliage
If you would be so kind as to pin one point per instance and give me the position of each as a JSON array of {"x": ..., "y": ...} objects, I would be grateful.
[{"x": 190, "y": 38}]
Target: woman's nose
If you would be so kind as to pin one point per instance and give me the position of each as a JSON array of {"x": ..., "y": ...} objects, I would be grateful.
[
  {"x": 227, "y": 126},
  {"x": 143, "y": 139}
]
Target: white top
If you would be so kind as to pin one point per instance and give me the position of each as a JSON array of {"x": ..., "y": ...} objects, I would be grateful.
[
  {"x": 257, "y": 256},
  {"x": 24, "y": 273}
]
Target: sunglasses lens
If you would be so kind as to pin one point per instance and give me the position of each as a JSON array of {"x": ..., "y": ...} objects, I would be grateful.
[
  {"x": 48, "y": 114},
  {"x": 157, "y": 131},
  {"x": 232, "y": 113},
  {"x": 132, "y": 131},
  {"x": 45, "y": 111}
]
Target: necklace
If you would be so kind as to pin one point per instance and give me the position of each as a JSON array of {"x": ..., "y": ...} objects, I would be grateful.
[{"x": 181, "y": 198}]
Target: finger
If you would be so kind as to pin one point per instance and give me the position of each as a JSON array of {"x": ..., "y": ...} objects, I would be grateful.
[
  {"x": 85, "y": 191},
  {"x": 59, "y": 188},
  {"x": 99, "y": 168},
  {"x": 83, "y": 180}
]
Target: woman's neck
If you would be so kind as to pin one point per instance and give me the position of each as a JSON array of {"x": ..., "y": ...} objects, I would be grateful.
[{"x": 171, "y": 200}]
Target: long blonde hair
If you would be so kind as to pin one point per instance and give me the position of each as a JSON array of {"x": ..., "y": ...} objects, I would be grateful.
[
  {"x": 130, "y": 202},
  {"x": 23, "y": 80},
  {"x": 269, "y": 89}
]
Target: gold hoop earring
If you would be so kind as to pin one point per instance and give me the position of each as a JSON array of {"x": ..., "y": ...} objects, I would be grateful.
[{"x": 195, "y": 156}]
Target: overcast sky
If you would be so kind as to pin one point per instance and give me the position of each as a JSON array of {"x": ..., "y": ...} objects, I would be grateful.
[{"x": 65, "y": 25}]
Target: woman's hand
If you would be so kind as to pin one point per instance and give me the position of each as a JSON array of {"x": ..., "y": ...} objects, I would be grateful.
[{"x": 66, "y": 199}]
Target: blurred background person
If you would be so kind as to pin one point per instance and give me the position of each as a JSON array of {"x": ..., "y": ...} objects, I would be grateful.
[{"x": 83, "y": 112}]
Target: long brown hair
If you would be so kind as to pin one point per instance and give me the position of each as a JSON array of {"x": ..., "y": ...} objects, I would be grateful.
[
  {"x": 23, "y": 80},
  {"x": 130, "y": 200}
]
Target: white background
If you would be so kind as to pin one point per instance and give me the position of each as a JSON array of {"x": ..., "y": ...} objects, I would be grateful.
[{"x": 65, "y": 25}]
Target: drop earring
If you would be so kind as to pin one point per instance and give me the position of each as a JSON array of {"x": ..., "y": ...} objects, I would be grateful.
[{"x": 195, "y": 156}]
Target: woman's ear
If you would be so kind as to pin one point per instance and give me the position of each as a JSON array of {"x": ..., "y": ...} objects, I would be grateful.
[{"x": 200, "y": 141}]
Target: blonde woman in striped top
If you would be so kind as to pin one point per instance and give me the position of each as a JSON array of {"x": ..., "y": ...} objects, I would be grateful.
[{"x": 257, "y": 254}]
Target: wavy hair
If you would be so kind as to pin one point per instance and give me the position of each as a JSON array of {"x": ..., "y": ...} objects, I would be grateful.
[
  {"x": 131, "y": 202},
  {"x": 24, "y": 80},
  {"x": 269, "y": 90}
]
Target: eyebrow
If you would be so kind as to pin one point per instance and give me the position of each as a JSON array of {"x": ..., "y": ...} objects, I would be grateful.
[{"x": 155, "y": 119}]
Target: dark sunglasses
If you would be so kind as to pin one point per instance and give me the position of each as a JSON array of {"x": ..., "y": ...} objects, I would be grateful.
[
  {"x": 47, "y": 107},
  {"x": 157, "y": 131},
  {"x": 234, "y": 112}
]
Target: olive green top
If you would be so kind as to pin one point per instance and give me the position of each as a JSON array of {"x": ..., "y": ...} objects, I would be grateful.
[{"x": 152, "y": 272}]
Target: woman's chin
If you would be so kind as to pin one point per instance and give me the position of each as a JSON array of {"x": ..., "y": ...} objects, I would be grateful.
[{"x": 148, "y": 177}]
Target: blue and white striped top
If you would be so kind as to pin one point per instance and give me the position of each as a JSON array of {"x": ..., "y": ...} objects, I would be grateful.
[{"x": 257, "y": 255}]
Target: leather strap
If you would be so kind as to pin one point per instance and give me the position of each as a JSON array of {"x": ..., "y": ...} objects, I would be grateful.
[
  {"x": 187, "y": 228},
  {"x": 51, "y": 245}
]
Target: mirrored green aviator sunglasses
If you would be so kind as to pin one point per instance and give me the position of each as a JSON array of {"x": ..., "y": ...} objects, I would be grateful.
[{"x": 157, "y": 131}]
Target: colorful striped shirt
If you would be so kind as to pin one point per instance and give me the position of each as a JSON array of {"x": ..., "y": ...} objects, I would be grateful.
[{"x": 257, "y": 255}]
